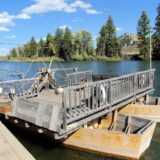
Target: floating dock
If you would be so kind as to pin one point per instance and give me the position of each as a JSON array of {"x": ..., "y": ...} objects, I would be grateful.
[{"x": 11, "y": 148}]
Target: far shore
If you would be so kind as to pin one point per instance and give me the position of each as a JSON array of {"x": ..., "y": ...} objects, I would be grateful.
[{"x": 55, "y": 59}]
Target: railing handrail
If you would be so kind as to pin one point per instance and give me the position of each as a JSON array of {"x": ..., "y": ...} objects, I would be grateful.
[
  {"x": 21, "y": 80},
  {"x": 80, "y": 72},
  {"x": 11, "y": 74},
  {"x": 105, "y": 81}
]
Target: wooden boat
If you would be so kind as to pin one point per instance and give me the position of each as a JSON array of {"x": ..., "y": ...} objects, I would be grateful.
[
  {"x": 149, "y": 108},
  {"x": 125, "y": 136}
]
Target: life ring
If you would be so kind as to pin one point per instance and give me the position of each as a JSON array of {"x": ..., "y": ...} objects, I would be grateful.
[{"x": 102, "y": 93}]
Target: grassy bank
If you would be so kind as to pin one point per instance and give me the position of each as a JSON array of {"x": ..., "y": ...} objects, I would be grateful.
[{"x": 55, "y": 59}]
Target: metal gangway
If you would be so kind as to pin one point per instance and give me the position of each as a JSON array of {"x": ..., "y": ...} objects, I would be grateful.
[{"x": 81, "y": 102}]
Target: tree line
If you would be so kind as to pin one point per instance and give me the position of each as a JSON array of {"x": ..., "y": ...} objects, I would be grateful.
[
  {"x": 64, "y": 44},
  {"x": 75, "y": 46}
]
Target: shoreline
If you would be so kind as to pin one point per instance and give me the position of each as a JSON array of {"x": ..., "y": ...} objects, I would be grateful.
[{"x": 55, "y": 59}]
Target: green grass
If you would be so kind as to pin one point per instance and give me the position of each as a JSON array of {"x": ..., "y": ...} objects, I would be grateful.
[{"x": 55, "y": 59}]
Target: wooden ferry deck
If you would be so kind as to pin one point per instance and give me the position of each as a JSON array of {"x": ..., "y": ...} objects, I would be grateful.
[
  {"x": 37, "y": 104},
  {"x": 81, "y": 102}
]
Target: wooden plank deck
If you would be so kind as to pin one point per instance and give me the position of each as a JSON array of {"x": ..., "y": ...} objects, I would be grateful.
[
  {"x": 11, "y": 148},
  {"x": 50, "y": 97}
]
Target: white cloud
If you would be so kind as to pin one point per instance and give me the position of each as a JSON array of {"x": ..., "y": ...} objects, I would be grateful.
[
  {"x": 23, "y": 16},
  {"x": 6, "y": 19},
  {"x": 64, "y": 27},
  {"x": 92, "y": 11},
  {"x": 4, "y": 29},
  {"x": 118, "y": 29},
  {"x": 42, "y": 6},
  {"x": 10, "y": 37},
  {"x": 80, "y": 4}
]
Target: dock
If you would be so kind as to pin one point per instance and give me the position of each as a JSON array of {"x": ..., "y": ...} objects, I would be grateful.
[{"x": 11, "y": 148}]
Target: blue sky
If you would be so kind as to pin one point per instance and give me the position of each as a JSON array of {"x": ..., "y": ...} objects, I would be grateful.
[{"x": 22, "y": 19}]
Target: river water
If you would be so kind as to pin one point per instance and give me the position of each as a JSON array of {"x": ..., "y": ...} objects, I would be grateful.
[{"x": 43, "y": 148}]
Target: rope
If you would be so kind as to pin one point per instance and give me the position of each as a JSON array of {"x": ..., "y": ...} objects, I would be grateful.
[{"x": 28, "y": 69}]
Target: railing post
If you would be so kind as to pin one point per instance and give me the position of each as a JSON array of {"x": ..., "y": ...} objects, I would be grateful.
[
  {"x": 64, "y": 111},
  {"x": 110, "y": 93},
  {"x": 135, "y": 84}
]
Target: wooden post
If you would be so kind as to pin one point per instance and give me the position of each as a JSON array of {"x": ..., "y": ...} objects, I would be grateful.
[{"x": 64, "y": 112}]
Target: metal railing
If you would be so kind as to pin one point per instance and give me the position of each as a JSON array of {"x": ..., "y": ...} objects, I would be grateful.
[
  {"x": 23, "y": 87},
  {"x": 88, "y": 99}
]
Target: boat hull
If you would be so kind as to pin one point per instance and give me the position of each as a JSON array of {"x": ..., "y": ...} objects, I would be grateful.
[
  {"x": 151, "y": 112},
  {"x": 113, "y": 143}
]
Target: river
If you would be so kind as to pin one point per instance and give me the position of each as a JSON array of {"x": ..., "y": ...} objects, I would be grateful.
[{"x": 43, "y": 148}]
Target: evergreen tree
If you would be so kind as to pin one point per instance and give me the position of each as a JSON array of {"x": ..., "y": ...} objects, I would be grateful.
[
  {"x": 49, "y": 46},
  {"x": 27, "y": 50},
  {"x": 13, "y": 53},
  {"x": 41, "y": 46},
  {"x": 156, "y": 36},
  {"x": 67, "y": 44},
  {"x": 143, "y": 30},
  {"x": 33, "y": 48},
  {"x": 107, "y": 43},
  {"x": 20, "y": 52},
  {"x": 59, "y": 35}
]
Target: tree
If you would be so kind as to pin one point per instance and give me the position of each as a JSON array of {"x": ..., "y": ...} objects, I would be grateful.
[
  {"x": 41, "y": 46},
  {"x": 125, "y": 40},
  {"x": 143, "y": 30},
  {"x": 13, "y": 53},
  {"x": 107, "y": 43},
  {"x": 20, "y": 51},
  {"x": 49, "y": 49},
  {"x": 83, "y": 43},
  {"x": 33, "y": 47},
  {"x": 30, "y": 49},
  {"x": 59, "y": 42},
  {"x": 67, "y": 44},
  {"x": 156, "y": 36}
]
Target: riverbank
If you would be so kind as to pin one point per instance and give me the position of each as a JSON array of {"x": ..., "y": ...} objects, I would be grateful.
[{"x": 56, "y": 59}]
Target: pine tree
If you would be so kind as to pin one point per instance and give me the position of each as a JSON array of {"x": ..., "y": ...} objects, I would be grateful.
[
  {"x": 143, "y": 30},
  {"x": 59, "y": 42},
  {"x": 156, "y": 36},
  {"x": 41, "y": 46},
  {"x": 13, "y": 53},
  {"x": 49, "y": 46},
  {"x": 107, "y": 43},
  {"x": 30, "y": 49},
  {"x": 67, "y": 44}
]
